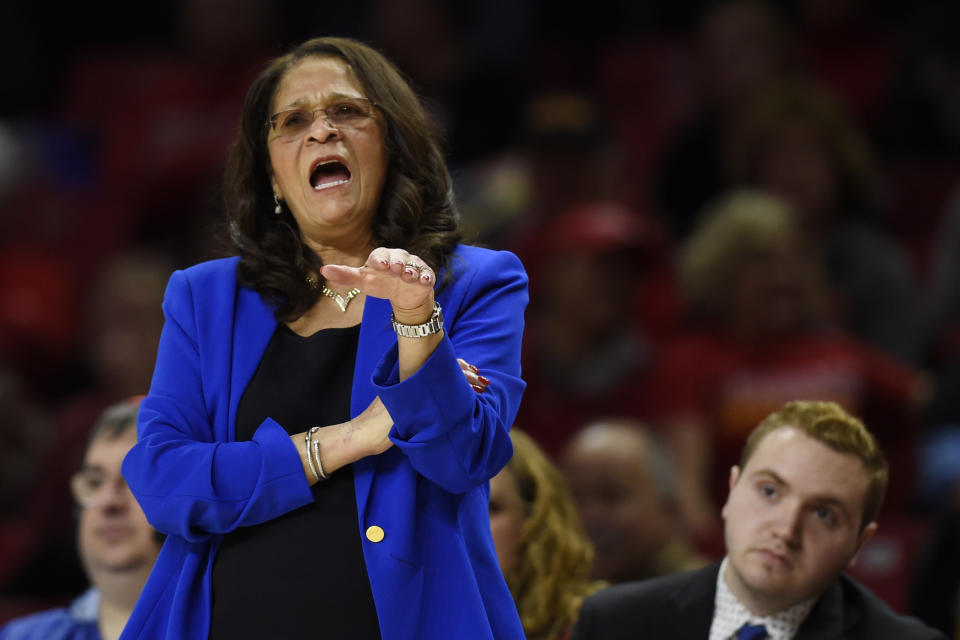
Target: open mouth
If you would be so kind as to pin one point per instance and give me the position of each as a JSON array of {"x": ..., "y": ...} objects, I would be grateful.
[{"x": 331, "y": 173}]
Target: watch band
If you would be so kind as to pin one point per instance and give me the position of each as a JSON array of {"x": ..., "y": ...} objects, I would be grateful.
[{"x": 431, "y": 326}]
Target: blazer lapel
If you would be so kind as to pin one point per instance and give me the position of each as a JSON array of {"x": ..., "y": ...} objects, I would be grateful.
[
  {"x": 376, "y": 337},
  {"x": 825, "y": 621},
  {"x": 695, "y": 599},
  {"x": 250, "y": 340}
]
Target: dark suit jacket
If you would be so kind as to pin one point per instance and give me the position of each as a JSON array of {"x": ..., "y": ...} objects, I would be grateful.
[{"x": 680, "y": 606}]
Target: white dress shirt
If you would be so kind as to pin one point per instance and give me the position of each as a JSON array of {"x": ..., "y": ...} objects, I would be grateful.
[{"x": 729, "y": 615}]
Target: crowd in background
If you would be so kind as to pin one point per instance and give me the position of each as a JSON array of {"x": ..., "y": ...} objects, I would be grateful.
[{"x": 721, "y": 206}]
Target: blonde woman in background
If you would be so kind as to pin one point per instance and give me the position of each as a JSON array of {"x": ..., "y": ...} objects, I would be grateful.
[
  {"x": 543, "y": 550},
  {"x": 759, "y": 336}
]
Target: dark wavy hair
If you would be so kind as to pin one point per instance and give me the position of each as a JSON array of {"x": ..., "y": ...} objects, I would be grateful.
[{"x": 416, "y": 210}]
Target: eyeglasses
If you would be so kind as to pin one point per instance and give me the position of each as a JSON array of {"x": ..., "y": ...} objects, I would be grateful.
[
  {"x": 345, "y": 113},
  {"x": 88, "y": 487}
]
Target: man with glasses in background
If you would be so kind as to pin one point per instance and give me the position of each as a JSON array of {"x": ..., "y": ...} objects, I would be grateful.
[{"x": 116, "y": 543}]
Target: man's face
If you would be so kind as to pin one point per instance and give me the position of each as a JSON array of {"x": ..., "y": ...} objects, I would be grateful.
[
  {"x": 792, "y": 520},
  {"x": 114, "y": 534},
  {"x": 622, "y": 509}
]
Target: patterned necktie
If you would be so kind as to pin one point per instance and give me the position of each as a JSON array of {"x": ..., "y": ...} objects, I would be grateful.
[{"x": 752, "y": 632}]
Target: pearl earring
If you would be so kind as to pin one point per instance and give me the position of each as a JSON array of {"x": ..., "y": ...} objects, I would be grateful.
[{"x": 276, "y": 210}]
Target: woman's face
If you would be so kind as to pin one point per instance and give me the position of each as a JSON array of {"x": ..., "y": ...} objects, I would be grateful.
[
  {"x": 329, "y": 177},
  {"x": 769, "y": 295},
  {"x": 507, "y": 514}
]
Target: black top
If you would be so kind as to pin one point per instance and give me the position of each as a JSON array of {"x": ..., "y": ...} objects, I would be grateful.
[{"x": 302, "y": 574}]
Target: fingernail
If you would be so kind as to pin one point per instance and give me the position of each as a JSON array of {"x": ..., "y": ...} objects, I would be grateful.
[
  {"x": 408, "y": 272},
  {"x": 425, "y": 277},
  {"x": 483, "y": 380},
  {"x": 473, "y": 368},
  {"x": 478, "y": 388},
  {"x": 384, "y": 262}
]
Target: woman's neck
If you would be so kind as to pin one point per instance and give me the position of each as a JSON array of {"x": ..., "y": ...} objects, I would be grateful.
[{"x": 352, "y": 253}]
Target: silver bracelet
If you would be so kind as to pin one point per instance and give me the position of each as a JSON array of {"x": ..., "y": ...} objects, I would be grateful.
[
  {"x": 316, "y": 455},
  {"x": 308, "y": 437}
]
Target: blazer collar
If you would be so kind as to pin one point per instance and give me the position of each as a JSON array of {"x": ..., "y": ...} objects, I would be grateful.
[
  {"x": 249, "y": 344},
  {"x": 694, "y": 599}
]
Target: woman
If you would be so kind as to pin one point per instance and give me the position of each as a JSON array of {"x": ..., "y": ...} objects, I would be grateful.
[
  {"x": 761, "y": 335},
  {"x": 309, "y": 442},
  {"x": 795, "y": 141},
  {"x": 543, "y": 550}
]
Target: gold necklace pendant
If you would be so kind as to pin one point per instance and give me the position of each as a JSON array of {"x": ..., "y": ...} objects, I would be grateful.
[{"x": 341, "y": 301}]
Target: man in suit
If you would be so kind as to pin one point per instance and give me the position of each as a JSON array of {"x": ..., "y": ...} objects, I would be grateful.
[{"x": 802, "y": 503}]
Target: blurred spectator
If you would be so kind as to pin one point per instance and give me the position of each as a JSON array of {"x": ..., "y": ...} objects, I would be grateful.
[
  {"x": 563, "y": 157},
  {"x": 25, "y": 433},
  {"x": 938, "y": 467},
  {"x": 848, "y": 46},
  {"x": 624, "y": 484},
  {"x": 743, "y": 46},
  {"x": 764, "y": 338},
  {"x": 469, "y": 59},
  {"x": 944, "y": 304},
  {"x": 130, "y": 152},
  {"x": 122, "y": 322},
  {"x": 39, "y": 314},
  {"x": 11, "y": 159},
  {"x": 134, "y": 149},
  {"x": 935, "y": 588},
  {"x": 939, "y": 462},
  {"x": 543, "y": 551},
  {"x": 794, "y": 141},
  {"x": 116, "y": 543},
  {"x": 584, "y": 351},
  {"x": 923, "y": 109}
]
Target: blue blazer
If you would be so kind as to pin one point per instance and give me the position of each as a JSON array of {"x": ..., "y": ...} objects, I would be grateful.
[{"x": 435, "y": 572}]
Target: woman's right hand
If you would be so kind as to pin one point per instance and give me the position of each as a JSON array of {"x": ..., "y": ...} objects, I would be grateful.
[
  {"x": 341, "y": 444},
  {"x": 371, "y": 429}
]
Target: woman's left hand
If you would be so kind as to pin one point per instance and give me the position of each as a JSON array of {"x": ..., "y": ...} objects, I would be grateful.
[
  {"x": 395, "y": 275},
  {"x": 477, "y": 381}
]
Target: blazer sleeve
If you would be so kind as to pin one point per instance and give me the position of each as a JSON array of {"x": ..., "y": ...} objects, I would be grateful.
[
  {"x": 187, "y": 482},
  {"x": 452, "y": 435}
]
